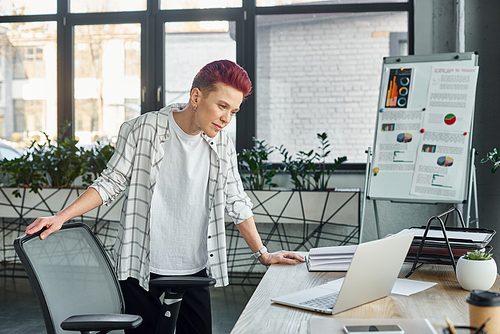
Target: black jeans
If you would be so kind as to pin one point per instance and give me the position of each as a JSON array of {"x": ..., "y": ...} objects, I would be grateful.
[{"x": 195, "y": 315}]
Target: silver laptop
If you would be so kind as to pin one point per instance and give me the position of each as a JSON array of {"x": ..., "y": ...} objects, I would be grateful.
[{"x": 371, "y": 275}]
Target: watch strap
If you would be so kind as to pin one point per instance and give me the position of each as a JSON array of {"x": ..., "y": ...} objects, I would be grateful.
[{"x": 260, "y": 252}]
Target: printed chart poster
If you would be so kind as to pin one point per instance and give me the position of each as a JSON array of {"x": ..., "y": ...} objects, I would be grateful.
[
  {"x": 398, "y": 88},
  {"x": 397, "y": 140},
  {"x": 451, "y": 97},
  {"x": 440, "y": 164}
]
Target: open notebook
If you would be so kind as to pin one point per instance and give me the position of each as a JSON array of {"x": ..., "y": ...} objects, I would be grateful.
[{"x": 335, "y": 258}]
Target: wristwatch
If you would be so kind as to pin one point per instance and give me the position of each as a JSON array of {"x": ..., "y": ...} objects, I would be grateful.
[{"x": 259, "y": 253}]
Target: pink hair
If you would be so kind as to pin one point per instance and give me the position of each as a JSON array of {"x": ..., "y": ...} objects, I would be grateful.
[{"x": 223, "y": 71}]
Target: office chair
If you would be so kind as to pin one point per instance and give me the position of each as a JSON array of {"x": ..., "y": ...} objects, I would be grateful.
[{"x": 77, "y": 288}]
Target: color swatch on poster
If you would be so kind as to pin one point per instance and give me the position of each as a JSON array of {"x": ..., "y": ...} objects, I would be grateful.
[
  {"x": 388, "y": 127},
  {"x": 445, "y": 161},
  {"x": 429, "y": 148},
  {"x": 450, "y": 119},
  {"x": 398, "y": 88},
  {"x": 404, "y": 138}
]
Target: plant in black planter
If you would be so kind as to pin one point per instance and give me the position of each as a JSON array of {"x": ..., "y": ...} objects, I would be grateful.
[
  {"x": 310, "y": 171},
  {"x": 257, "y": 171}
]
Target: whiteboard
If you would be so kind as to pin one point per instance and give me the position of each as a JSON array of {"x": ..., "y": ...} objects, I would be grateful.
[{"x": 423, "y": 135}]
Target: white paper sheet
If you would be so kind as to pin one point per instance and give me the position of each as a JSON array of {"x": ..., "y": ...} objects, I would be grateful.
[
  {"x": 407, "y": 287},
  {"x": 403, "y": 286}
]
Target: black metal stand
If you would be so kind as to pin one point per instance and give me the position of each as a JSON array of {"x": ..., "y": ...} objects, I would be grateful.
[
  {"x": 444, "y": 241},
  {"x": 443, "y": 229}
]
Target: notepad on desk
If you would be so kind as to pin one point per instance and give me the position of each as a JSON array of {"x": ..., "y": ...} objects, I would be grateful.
[{"x": 335, "y": 258}]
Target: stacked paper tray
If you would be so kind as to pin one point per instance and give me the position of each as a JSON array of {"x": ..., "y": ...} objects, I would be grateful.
[{"x": 435, "y": 248}]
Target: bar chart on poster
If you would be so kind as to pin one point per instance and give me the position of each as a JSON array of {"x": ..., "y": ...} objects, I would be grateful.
[{"x": 423, "y": 135}]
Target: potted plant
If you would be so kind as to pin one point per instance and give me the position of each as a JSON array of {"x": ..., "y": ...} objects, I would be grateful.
[
  {"x": 493, "y": 157},
  {"x": 55, "y": 164},
  {"x": 310, "y": 171},
  {"x": 48, "y": 176},
  {"x": 476, "y": 270},
  {"x": 255, "y": 169}
]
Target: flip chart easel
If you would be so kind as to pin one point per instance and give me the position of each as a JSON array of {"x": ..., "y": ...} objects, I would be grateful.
[{"x": 422, "y": 151}]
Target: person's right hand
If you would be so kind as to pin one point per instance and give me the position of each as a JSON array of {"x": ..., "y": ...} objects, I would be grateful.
[{"x": 52, "y": 224}]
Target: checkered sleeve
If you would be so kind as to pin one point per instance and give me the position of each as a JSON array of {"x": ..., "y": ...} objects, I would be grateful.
[
  {"x": 115, "y": 179},
  {"x": 238, "y": 204}
]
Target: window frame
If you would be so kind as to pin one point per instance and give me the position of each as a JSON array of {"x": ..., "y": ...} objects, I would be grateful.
[{"x": 152, "y": 22}]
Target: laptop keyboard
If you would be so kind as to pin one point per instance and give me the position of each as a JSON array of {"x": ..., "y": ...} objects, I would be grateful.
[{"x": 323, "y": 302}]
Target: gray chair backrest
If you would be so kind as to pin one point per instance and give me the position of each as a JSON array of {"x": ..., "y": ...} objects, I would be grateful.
[{"x": 70, "y": 273}]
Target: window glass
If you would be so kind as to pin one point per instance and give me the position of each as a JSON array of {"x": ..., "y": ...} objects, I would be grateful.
[
  {"x": 92, "y": 6},
  {"x": 188, "y": 47},
  {"x": 107, "y": 79},
  {"x": 27, "y": 7},
  {"x": 29, "y": 115},
  {"x": 28, "y": 81},
  {"x": 321, "y": 73},
  {"x": 186, "y": 4},
  {"x": 268, "y": 3}
]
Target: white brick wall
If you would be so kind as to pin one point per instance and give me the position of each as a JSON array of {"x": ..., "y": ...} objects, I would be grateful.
[{"x": 322, "y": 74}]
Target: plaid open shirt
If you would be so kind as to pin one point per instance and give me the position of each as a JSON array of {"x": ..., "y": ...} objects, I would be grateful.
[{"x": 134, "y": 168}]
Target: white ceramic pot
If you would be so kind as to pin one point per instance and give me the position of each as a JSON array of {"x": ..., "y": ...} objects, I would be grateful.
[{"x": 476, "y": 274}]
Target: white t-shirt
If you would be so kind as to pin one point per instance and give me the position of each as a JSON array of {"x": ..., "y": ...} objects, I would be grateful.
[{"x": 179, "y": 211}]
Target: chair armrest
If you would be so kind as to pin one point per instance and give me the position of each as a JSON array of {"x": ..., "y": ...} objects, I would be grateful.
[
  {"x": 101, "y": 322},
  {"x": 182, "y": 282}
]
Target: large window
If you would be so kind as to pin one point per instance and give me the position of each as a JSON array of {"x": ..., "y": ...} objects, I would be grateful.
[
  {"x": 28, "y": 80},
  {"x": 189, "y": 46},
  {"x": 27, "y": 7},
  {"x": 315, "y": 65},
  {"x": 186, "y": 4},
  {"x": 321, "y": 73},
  {"x": 107, "y": 78},
  {"x": 272, "y": 3},
  {"x": 89, "y": 6},
  {"x": 29, "y": 62},
  {"x": 29, "y": 117}
]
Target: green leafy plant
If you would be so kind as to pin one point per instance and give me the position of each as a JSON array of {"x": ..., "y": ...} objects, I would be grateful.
[
  {"x": 477, "y": 255},
  {"x": 20, "y": 173},
  {"x": 324, "y": 172},
  {"x": 257, "y": 170},
  {"x": 310, "y": 171},
  {"x": 300, "y": 168},
  {"x": 95, "y": 160},
  {"x": 493, "y": 157},
  {"x": 55, "y": 164},
  {"x": 61, "y": 161}
]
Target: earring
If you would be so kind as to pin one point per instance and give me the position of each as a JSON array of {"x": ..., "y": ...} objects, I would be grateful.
[{"x": 194, "y": 109}]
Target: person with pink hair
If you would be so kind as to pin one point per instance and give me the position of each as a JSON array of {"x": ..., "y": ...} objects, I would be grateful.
[{"x": 179, "y": 172}]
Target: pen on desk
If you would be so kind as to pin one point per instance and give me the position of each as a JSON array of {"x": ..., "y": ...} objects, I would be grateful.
[
  {"x": 450, "y": 326},
  {"x": 482, "y": 326}
]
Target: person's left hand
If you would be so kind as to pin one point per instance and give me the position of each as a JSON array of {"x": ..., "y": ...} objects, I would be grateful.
[{"x": 282, "y": 257}]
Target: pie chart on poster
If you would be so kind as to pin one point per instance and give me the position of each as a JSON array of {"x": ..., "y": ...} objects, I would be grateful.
[
  {"x": 450, "y": 119},
  {"x": 404, "y": 137},
  {"x": 445, "y": 161}
]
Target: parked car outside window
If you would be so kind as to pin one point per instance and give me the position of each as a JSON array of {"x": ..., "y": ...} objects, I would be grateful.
[{"x": 7, "y": 151}]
